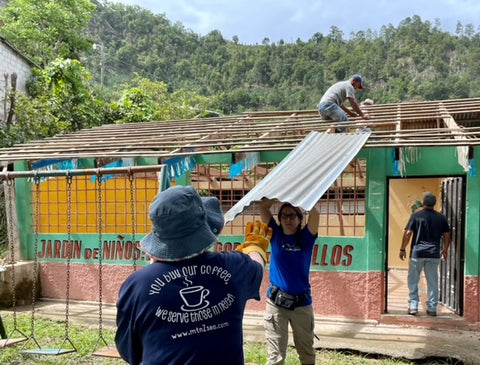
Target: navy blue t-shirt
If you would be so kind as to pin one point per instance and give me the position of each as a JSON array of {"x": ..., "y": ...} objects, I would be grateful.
[
  {"x": 187, "y": 312},
  {"x": 428, "y": 226}
]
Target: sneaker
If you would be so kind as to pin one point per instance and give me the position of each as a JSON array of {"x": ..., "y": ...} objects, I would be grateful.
[
  {"x": 412, "y": 311},
  {"x": 432, "y": 313}
]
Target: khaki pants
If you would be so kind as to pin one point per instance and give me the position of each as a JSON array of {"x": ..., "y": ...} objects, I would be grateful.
[{"x": 276, "y": 322}]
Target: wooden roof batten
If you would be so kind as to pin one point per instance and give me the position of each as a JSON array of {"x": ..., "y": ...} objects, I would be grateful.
[{"x": 452, "y": 123}]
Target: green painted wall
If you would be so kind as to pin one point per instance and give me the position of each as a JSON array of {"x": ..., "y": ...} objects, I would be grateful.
[
  {"x": 214, "y": 158},
  {"x": 375, "y": 220},
  {"x": 118, "y": 249},
  {"x": 472, "y": 222},
  {"x": 273, "y": 156},
  {"x": 358, "y": 254},
  {"x": 329, "y": 254},
  {"x": 432, "y": 161},
  {"x": 23, "y": 188},
  {"x": 226, "y": 158}
]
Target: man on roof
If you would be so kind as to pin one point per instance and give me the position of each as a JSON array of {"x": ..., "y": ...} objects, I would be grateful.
[{"x": 332, "y": 104}]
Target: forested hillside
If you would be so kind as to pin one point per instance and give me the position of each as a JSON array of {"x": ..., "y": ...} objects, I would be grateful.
[
  {"x": 144, "y": 67},
  {"x": 414, "y": 60}
]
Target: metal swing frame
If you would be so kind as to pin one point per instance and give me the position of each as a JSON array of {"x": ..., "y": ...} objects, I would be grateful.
[
  {"x": 60, "y": 350},
  {"x": 10, "y": 340},
  {"x": 109, "y": 351},
  {"x": 69, "y": 174}
]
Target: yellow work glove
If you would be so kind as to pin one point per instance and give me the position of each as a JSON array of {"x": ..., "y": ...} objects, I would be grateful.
[{"x": 257, "y": 238}]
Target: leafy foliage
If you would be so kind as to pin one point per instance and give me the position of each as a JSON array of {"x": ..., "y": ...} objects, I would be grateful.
[
  {"x": 144, "y": 100},
  {"x": 45, "y": 30},
  {"x": 60, "y": 102}
]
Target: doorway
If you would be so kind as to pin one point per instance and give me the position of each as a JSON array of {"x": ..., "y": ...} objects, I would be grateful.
[{"x": 403, "y": 195}]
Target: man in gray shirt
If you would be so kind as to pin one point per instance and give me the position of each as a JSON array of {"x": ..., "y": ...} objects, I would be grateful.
[{"x": 332, "y": 107}]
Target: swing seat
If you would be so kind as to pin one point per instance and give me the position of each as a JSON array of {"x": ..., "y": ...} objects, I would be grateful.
[
  {"x": 51, "y": 351},
  {"x": 48, "y": 351},
  {"x": 11, "y": 341},
  {"x": 109, "y": 351}
]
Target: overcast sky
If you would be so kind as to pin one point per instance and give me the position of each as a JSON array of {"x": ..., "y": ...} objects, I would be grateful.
[{"x": 254, "y": 20}]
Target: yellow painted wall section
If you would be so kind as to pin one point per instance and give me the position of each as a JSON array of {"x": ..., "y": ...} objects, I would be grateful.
[{"x": 117, "y": 214}]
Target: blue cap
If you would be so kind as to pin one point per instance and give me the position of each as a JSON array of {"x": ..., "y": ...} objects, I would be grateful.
[{"x": 359, "y": 78}]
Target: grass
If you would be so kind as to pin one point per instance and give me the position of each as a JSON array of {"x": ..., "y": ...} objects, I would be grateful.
[{"x": 50, "y": 334}]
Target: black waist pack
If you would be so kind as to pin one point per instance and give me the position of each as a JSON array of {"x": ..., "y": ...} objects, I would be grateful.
[{"x": 285, "y": 300}]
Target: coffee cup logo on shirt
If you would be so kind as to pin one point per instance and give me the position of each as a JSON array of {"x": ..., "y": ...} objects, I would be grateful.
[
  {"x": 194, "y": 302},
  {"x": 194, "y": 298}
]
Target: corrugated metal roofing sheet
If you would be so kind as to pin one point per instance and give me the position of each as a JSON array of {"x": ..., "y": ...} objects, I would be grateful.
[{"x": 306, "y": 173}]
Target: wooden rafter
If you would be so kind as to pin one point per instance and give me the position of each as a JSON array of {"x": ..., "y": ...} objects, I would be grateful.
[{"x": 427, "y": 124}]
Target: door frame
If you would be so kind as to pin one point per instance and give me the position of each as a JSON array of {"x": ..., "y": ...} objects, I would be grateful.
[{"x": 393, "y": 223}]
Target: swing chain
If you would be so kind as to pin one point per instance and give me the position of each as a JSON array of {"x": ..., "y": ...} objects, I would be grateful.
[
  {"x": 36, "y": 216},
  {"x": 69, "y": 249},
  {"x": 100, "y": 266},
  {"x": 10, "y": 189},
  {"x": 10, "y": 228},
  {"x": 132, "y": 210},
  {"x": 100, "y": 256}
]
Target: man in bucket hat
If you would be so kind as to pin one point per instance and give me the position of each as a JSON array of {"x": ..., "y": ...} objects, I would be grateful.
[
  {"x": 187, "y": 306},
  {"x": 332, "y": 107}
]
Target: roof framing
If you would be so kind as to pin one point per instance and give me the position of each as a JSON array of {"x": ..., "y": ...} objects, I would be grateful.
[{"x": 432, "y": 123}]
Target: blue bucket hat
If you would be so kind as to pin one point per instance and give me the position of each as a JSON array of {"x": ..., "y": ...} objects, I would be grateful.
[{"x": 183, "y": 224}]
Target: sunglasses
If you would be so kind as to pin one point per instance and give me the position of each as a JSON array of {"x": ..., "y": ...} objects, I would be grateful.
[{"x": 289, "y": 216}]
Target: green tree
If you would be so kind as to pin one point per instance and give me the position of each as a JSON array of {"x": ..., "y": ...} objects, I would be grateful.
[
  {"x": 147, "y": 100},
  {"x": 60, "y": 101},
  {"x": 45, "y": 30}
]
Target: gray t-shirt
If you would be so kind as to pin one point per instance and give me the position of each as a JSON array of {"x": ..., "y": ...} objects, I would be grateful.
[{"x": 338, "y": 93}]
